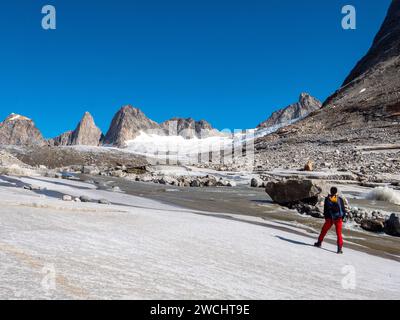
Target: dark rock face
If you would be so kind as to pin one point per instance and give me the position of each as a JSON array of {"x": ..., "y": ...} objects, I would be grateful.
[
  {"x": 386, "y": 44},
  {"x": 298, "y": 110},
  {"x": 288, "y": 192},
  {"x": 189, "y": 128},
  {"x": 127, "y": 124},
  {"x": 392, "y": 226},
  {"x": 368, "y": 104},
  {"x": 63, "y": 139},
  {"x": 19, "y": 130},
  {"x": 86, "y": 134},
  {"x": 373, "y": 86}
]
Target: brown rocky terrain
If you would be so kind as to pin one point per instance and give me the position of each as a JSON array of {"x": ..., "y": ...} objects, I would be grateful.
[{"x": 59, "y": 157}]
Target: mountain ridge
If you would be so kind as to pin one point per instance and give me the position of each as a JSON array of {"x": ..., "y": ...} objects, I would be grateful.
[{"x": 305, "y": 105}]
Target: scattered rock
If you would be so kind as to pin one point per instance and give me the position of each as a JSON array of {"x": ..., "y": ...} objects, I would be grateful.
[
  {"x": 32, "y": 187},
  {"x": 90, "y": 170},
  {"x": 168, "y": 180},
  {"x": 118, "y": 173},
  {"x": 195, "y": 184},
  {"x": 309, "y": 166},
  {"x": 256, "y": 183},
  {"x": 210, "y": 182},
  {"x": 85, "y": 199},
  {"x": 67, "y": 198},
  {"x": 104, "y": 201},
  {"x": 231, "y": 184},
  {"x": 67, "y": 176}
]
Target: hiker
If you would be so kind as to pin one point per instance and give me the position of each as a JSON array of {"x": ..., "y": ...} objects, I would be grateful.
[{"x": 334, "y": 212}]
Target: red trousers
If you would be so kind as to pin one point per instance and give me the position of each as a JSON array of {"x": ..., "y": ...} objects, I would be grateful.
[{"x": 328, "y": 224}]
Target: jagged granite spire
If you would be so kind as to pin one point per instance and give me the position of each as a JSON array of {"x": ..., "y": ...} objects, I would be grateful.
[{"x": 86, "y": 134}]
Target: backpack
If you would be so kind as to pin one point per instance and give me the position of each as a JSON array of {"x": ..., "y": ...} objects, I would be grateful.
[{"x": 334, "y": 208}]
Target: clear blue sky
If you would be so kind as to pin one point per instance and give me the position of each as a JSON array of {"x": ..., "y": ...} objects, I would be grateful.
[{"x": 229, "y": 62}]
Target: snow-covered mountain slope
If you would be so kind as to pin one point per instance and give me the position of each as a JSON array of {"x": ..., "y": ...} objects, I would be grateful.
[
  {"x": 160, "y": 145},
  {"x": 138, "y": 248}
]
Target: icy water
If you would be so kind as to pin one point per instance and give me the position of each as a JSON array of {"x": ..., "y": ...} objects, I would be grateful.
[{"x": 244, "y": 200}]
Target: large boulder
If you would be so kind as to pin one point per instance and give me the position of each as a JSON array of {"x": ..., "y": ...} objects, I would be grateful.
[
  {"x": 256, "y": 183},
  {"x": 392, "y": 225},
  {"x": 373, "y": 225},
  {"x": 288, "y": 192},
  {"x": 309, "y": 166}
]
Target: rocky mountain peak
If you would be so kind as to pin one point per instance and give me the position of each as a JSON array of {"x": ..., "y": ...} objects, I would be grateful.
[
  {"x": 372, "y": 87},
  {"x": 127, "y": 124},
  {"x": 189, "y": 128},
  {"x": 367, "y": 106},
  {"x": 19, "y": 130},
  {"x": 15, "y": 117},
  {"x": 86, "y": 133},
  {"x": 385, "y": 46},
  {"x": 298, "y": 110}
]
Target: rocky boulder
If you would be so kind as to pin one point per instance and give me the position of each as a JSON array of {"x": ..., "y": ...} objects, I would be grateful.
[
  {"x": 373, "y": 225},
  {"x": 392, "y": 225},
  {"x": 309, "y": 166},
  {"x": 67, "y": 197},
  {"x": 288, "y": 192},
  {"x": 195, "y": 183},
  {"x": 85, "y": 199},
  {"x": 256, "y": 183},
  {"x": 91, "y": 170}
]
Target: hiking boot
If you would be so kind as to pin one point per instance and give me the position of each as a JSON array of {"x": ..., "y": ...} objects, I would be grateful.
[
  {"x": 317, "y": 244},
  {"x": 339, "y": 250}
]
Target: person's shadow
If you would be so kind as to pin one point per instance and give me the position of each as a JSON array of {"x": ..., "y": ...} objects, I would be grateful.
[{"x": 301, "y": 243}]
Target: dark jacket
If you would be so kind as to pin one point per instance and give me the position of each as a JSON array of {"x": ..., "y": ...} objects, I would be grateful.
[{"x": 334, "y": 210}]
